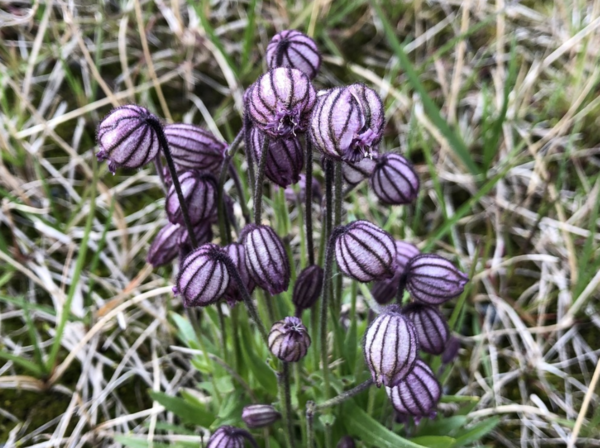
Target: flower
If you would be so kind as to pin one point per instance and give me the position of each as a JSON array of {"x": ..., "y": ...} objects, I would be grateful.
[
  {"x": 128, "y": 137},
  {"x": 354, "y": 173},
  {"x": 289, "y": 339},
  {"x": 237, "y": 254},
  {"x": 364, "y": 251},
  {"x": 430, "y": 325},
  {"x": 308, "y": 287},
  {"x": 434, "y": 280},
  {"x": 203, "y": 278},
  {"x": 451, "y": 350},
  {"x": 230, "y": 437},
  {"x": 266, "y": 258},
  {"x": 202, "y": 232},
  {"x": 164, "y": 247},
  {"x": 260, "y": 415},
  {"x": 394, "y": 180},
  {"x": 199, "y": 190},
  {"x": 193, "y": 147},
  {"x": 390, "y": 347},
  {"x": 291, "y": 48},
  {"x": 418, "y": 394},
  {"x": 293, "y": 197},
  {"x": 280, "y": 101},
  {"x": 384, "y": 291}
]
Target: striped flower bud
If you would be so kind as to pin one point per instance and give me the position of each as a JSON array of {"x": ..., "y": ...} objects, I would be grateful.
[
  {"x": 230, "y": 437},
  {"x": 394, "y": 180},
  {"x": 364, "y": 251},
  {"x": 430, "y": 325},
  {"x": 354, "y": 173},
  {"x": 238, "y": 256},
  {"x": 308, "y": 287},
  {"x": 346, "y": 442},
  {"x": 127, "y": 137},
  {"x": 164, "y": 246},
  {"x": 280, "y": 102},
  {"x": 203, "y": 278},
  {"x": 195, "y": 148},
  {"x": 285, "y": 158},
  {"x": 390, "y": 347},
  {"x": 266, "y": 258},
  {"x": 451, "y": 350},
  {"x": 260, "y": 415},
  {"x": 293, "y": 197},
  {"x": 291, "y": 48},
  {"x": 419, "y": 393},
  {"x": 373, "y": 114},
  {"x": 200, "y": 193},
  {"x": 384, "y": 291},
  {"x": 434, "y": 280},
  {"x": 289, "y": 339},
  {"x": 202, "y": 232}
]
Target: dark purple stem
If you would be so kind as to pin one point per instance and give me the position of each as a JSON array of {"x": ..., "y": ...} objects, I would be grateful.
[{"x": 308, "y": 204}]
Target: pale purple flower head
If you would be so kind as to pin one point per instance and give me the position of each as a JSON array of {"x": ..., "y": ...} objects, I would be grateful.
[
  {"x": 430, "y": 325},
  {"x": 280, "y": 101},
  {"x": 230, "y": 437},
  {"x": 434, "y": 280},
  {"x": 308, "y": 287},
  {"x": 202, "y": 232},
  {"x": 127, "y": 137},
  {"x": 238, "y": 256},
  {"x": 364, "y": 251},
  {"x": 200, "y": 193},
  {"x": 394, "y": 180},
  {"x": 203, "y": 278},
  {"x": 260, "y": 415},
  {"x": 285, "y": 158},
  {"x": 390, "y": 347},
  {"x": 291, "y": 48},
  {"x": 164, "y": 247},
  {"x": 354, "y": 173},
  {"x": 289, "y": 339},
  {"x": 384, "y": 291},
  {"x": 419, "y": 393},
  {"x": 194, "y": 147},
  {"x": 266, "y": 258}
]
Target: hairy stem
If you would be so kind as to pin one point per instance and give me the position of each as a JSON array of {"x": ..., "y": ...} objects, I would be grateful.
[
  {"x": 223, "y": 228},
  {"x": 259, "y": 180},
  {"x": 310, "y": 429},
  {"x": 337, "y": 297},
  {"x": 310, "y": 247},
  {"x": 344, "y": 395},
  {"x": 286, "y": 401}
]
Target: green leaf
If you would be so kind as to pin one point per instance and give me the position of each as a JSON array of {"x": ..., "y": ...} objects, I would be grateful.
[
  {"x": 187, "y": 412},
  {"x": 435, "y": 441},
  {"x": 186, "y": 332},
  {"x": 442, "y": 426},
  {"x": 477, "y": 432},
  {"x": 259, "y": 368},
  {"x": 28, "y": 365}
]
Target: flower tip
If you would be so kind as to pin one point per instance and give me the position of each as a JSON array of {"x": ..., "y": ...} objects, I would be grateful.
[{"x": 175, "y": 291}]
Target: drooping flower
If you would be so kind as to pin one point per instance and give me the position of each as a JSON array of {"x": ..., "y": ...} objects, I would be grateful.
[
  {"x": 266, "y": 258},
  {"x": 308, "y": 287},
  {"x": 195, "y": 148},
  {"x": 291, "y": 48},
  {"x": 364, "y": 251},
  {"x": 451, "y": 350},
  {"x": 289, "y": 339},
  {"x": 390, "y": 347},
  {"x": 238, "y": 256},
  {"x": 372, "y": 111},
  {"x": 384, "y": 291},
  {"x": 202, "y": 232},
  {"x": 203, "y": 278},
  {"x": 354, "y": 173},
  {"x": 430, "y": 325},
  {"x": 127, "y": 137},
  {"x": 419, "y": 393},
  {"x": 230, "y": 437},
  {"x": 280, "y": 102},
  {"x": 434, "y": 280},
  {"x": 199, "y": 190},
  {"x": 260, "y": 415},
  {"x": 164, "y": 247},
  {"x": 394, "y": 180}
]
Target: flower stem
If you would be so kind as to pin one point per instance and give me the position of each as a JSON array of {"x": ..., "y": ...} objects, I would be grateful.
[
  {"x": 344, "y": 395},
  {"x": 286, "y": 401},
  {"x": 308, "y": 204},
  {"x": 259, "y": 180},
  {"x": 224, "y": 233},
  {"x": 161, "y": 174},
  {"x": 310, "y": 429},
  {"x": 401, "y": 286},
  {"x": 337, "y": 297}
]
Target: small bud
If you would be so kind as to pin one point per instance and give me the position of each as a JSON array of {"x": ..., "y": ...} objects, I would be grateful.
[
  {"x": 418, "y": 394},
  {"x": 266, "y": 258},
  {"x": 200, "y": 192},
  {"x": 308, "y": 287},
  {"x": 164, "y": 246},
  {"x": 346, "y": 442},
  {"x": 354, "y": 173},
  {"x": 195, "y": 148},
  {"x": 238, "y": 256},
  {"x": 127, "y": 137},
  {"x": 291, "y": 48},
  {"x": 285, "y": 158},
  {"x": 451, "y": 350},
  {"x": 289, "y": 339},
  {"x": 230, "y": 437},
  {"x": 430, "y": 325},
  {"x": 260, "y": 415},
  {"x": 202, "y": 232},
  {"x": 394, "y": 180},
  {"x": 434, "y": 280},
  {"x": 364, "y": 251},
  {"x": 390, "y": 347},
  {"x": 203, "y": 278},
  {"x": 291, "y": 196},
  {"x": 280, "y": 102},
  {"x": 385, "y": 291}
]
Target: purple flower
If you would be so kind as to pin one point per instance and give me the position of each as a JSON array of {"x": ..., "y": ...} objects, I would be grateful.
[
  {"x": 372, "y": 111},
  {"x": 291, "y": 196},
  {"x": 200, "y": 193},
  {"x": 285, "y": 158},
  {"x": 230, "y": 437},
  {"x": 346, "y": 442},
  {"x": 308, "y": 287},
  {"x": 266, "y": 258},
  {"x": 430, "y": 325},
  {"x": 354, "y": 173},
  {"x": 280, "y": 102},
  {"x": 289, "y": 339},
  {"x": 364, "y": 251},
  {"x": 202, "y": 232},
  {"x": 260, "y": 415},
  {"x": 390, "y": 347},
  {"x": 203, "y": 278},
  {"x": 418, "y": 394},
  {"x": 193, "y": 147},
  {"x": 394, "y": 180},
  {"x": 164, "y": 246},
  {"x": 434, "y": 280},
  {"x": 384, "y": 291},
  {"x": 291, "y": 48},
  {"x": 237, "y": 254},
  {"x": 451, "y": 350},
  {"x": 127, "y": 137}
]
